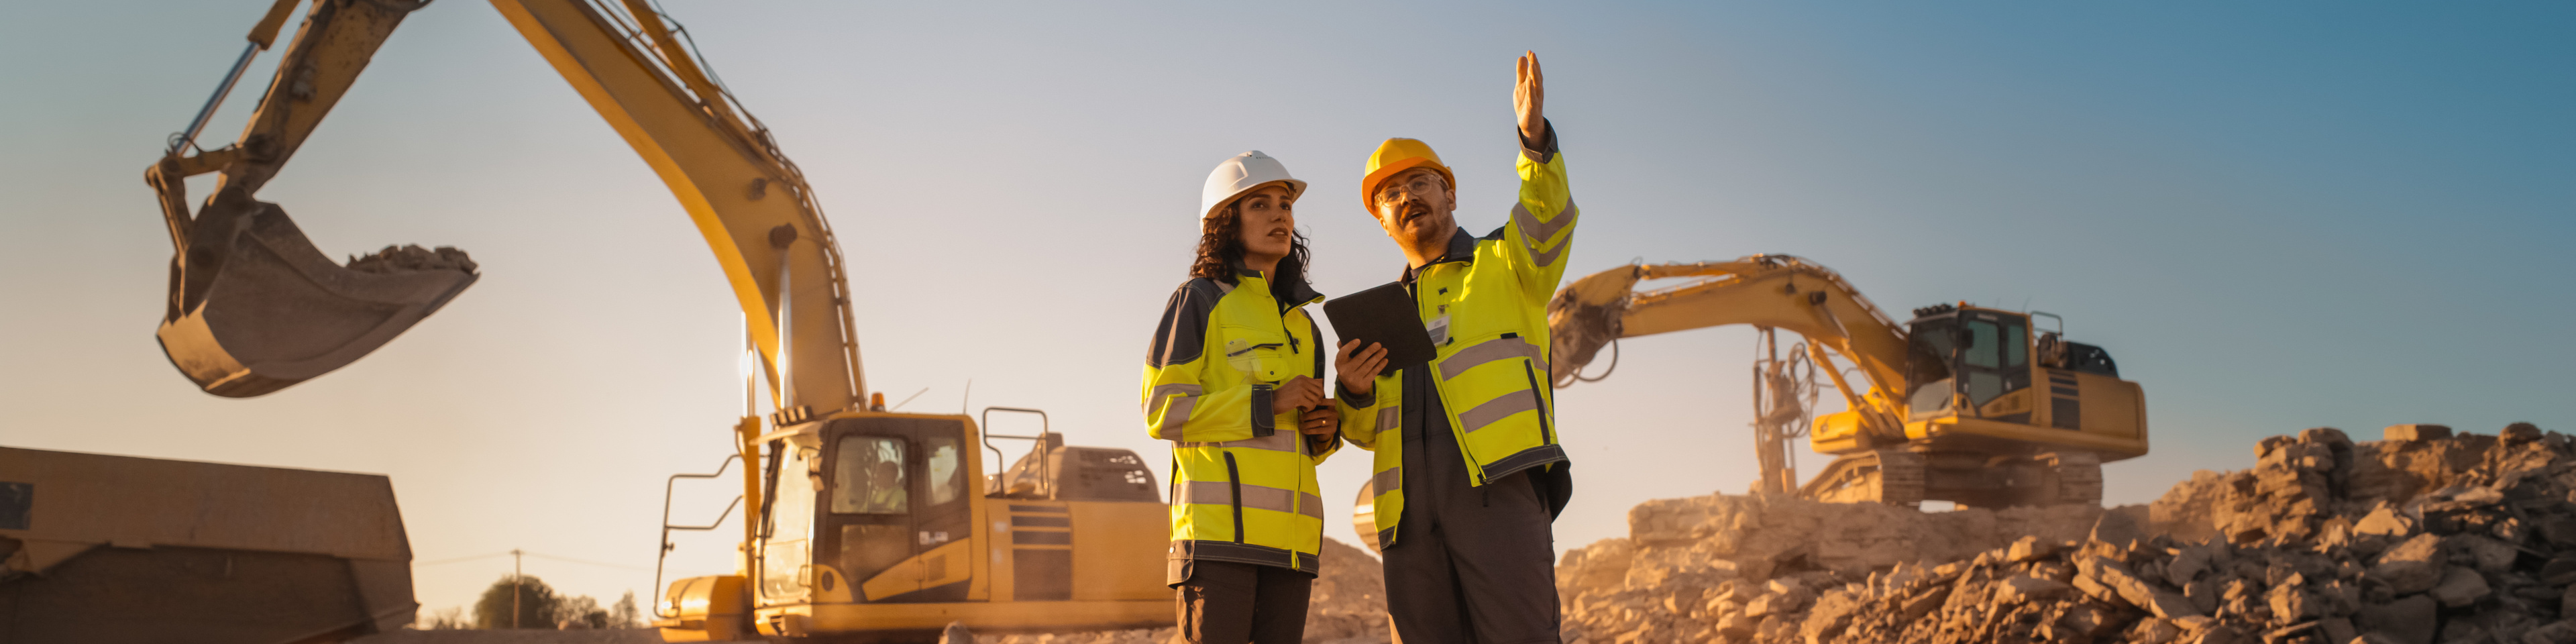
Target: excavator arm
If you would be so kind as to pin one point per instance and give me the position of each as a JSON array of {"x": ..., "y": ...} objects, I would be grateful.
[
  {"x": 1777, "y": 291},
  {"x": 254, "y": 307}
]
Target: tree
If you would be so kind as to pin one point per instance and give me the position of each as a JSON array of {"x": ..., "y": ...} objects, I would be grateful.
[
  {"x": 624, "y": 614},
  {"x": 445, "y": 619},
  {"x": 537, "y": 604},
  {"x": 580, "y": 613}
]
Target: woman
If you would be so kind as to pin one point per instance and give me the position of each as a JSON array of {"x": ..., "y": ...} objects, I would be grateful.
[{"x": 1234, "y": 379}]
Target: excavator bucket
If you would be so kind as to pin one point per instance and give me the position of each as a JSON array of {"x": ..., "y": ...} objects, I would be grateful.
[{"x": 254, "y": 308}]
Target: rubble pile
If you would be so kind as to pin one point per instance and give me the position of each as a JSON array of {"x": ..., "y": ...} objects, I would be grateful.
[
  {"x": 2424, "y": 537},
  {"x": 411, "y": 257}
]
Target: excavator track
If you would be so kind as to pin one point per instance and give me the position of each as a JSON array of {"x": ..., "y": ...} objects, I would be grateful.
[{"x": 1893, "y": 477}]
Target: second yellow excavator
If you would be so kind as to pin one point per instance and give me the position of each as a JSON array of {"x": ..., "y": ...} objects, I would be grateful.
[{"x": 1962, "y": 403}]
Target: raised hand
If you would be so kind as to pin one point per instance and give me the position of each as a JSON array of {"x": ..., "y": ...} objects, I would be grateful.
[
  {"x": 1529, "y": 98},
  {"x": 1358, "y": 368}
]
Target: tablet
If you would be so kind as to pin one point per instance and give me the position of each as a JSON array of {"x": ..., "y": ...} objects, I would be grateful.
[{"x": 1384, "y": 315}]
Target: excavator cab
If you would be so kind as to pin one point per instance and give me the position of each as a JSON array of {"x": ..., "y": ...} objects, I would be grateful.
[{"x": 1969, "y": 359}]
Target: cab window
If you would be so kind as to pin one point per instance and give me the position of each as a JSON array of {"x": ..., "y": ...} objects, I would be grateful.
[
  {"x": 1984, "y": 344},
  {"x": 946, "y": 478},
  {"x": 869, "y": 472}
]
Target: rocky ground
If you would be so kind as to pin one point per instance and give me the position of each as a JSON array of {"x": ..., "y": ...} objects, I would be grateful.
[
  {"x": 2419, "y": 538},
  {"x": 2423, "y": 537}
]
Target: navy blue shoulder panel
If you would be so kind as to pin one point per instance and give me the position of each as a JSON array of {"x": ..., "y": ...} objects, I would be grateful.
[{"x": 1183, "y": 331}]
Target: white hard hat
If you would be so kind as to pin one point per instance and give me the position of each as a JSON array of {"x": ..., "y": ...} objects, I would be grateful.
[{"x": 1244, "y": 173}]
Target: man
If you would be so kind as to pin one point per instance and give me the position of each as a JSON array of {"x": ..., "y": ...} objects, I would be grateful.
[{"x": 1469, "y": 474}]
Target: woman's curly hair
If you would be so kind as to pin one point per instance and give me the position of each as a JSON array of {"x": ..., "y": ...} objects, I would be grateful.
[{"x": 1221, "y": 247}]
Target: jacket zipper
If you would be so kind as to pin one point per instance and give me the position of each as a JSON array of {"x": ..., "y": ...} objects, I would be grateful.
[
  {"x": 1442, "y": 392},
  {"x": 1544, "y": 437}
]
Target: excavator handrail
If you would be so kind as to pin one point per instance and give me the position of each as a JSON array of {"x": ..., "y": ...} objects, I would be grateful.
[
  {"x": 1046, "y": 426},
  {"x": 668, "y": 487}
]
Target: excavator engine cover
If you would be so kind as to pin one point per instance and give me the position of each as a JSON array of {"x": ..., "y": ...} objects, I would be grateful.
[{"x": 254, "y": 308}]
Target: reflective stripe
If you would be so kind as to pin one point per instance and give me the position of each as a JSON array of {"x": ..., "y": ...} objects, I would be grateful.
[
  {"x": 1501, "y": 406},
  {"x": 1387, "y": 481},
  {"x": 1258, "y": 497},
  {"x": 1535, "y": 232},
  {"x": 1388, "y": 419},
  {"x": 1276, "y": 441},
  {"x": 1548, "y": 257},
  {"x": 1487, "y": 351},
  {"x": 1313, "y": 506},
  {"x": 1175, "y": 415}
]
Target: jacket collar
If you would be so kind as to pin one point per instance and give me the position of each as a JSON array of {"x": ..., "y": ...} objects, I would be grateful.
[
  {"x": 1289, "y": 293},
  {"x": 1462, "y": 248}
]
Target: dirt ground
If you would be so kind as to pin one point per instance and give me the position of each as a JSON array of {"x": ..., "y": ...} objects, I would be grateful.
[{"x": 616, "y": 636}]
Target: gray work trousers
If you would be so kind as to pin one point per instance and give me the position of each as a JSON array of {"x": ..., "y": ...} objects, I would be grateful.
[
  {"x": 1471, "y": 564},
  {"x": 1226, "y": 602}
]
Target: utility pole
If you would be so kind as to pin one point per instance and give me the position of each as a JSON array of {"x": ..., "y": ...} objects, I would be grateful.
[{"x": 516, "y": 580}]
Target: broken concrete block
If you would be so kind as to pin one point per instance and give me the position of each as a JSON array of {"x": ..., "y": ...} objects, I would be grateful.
[
  {"x": 2413, "y": 566},
  {"x": 2220, "y": 634},
  {"x": 2290, "y": 604},
  {"x": 2090, "y": 621},
  {"x": 2022, "y": 590},
  {"x": 2030, "y": 548},
  {"x": 2187, "y": 565},
  {"x": 2560, "y": 632},
  {"x": 2493, "y": 557},
  {"x": 2337, "y": 629},
  {"x": 2408, "y": 620},
  {"x": 2386, "y": 521},
  {"x": 2460, "y": 587},
  {"x": 2170, "y": 605},
  {"x": 2519, "y": 433},
  {"x": 2416, "y": 433},
  {"x": 2154, "y": 630}
]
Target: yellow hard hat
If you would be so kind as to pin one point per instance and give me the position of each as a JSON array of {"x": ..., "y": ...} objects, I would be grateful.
[{"x": 1394, "y": 156}]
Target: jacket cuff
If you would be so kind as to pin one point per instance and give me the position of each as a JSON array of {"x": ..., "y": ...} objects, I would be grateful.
[
  {"x": 1355, "y": 400},
  {"x": 1541, "y": 151},
  {"x": 1260, "y": 408}
]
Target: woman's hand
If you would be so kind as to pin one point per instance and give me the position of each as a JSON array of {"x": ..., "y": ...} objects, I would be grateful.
[
  {"x": 1297, "y": 393},
  {"x": 1357, "y": 368},
  {"x": 1323, "y": 420}
]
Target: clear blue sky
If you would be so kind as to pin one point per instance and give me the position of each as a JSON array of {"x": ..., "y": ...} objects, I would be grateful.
[{"x": 2276, "y": 216}]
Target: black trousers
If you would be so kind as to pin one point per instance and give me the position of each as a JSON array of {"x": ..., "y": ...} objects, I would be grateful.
[
  {"x": 1224, "y": 602},
  {"x": 1470, "y": 564}
]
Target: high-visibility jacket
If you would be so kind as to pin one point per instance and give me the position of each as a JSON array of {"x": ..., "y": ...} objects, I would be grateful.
[
  {"x": 1243, "y": 481},
  {"x": 1485, "y": 304}
]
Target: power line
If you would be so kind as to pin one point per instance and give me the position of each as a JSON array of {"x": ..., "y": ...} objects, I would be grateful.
[
  {"x": 593, "y": 563},
  {"x": 531, "y": 554},
  {"x": 450, "y": 561}
]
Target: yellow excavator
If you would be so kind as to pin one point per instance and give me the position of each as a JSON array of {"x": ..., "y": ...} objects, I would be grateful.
[
  {"x": 860, "y": 524},
  {"x": 1962, "y": 403}
]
